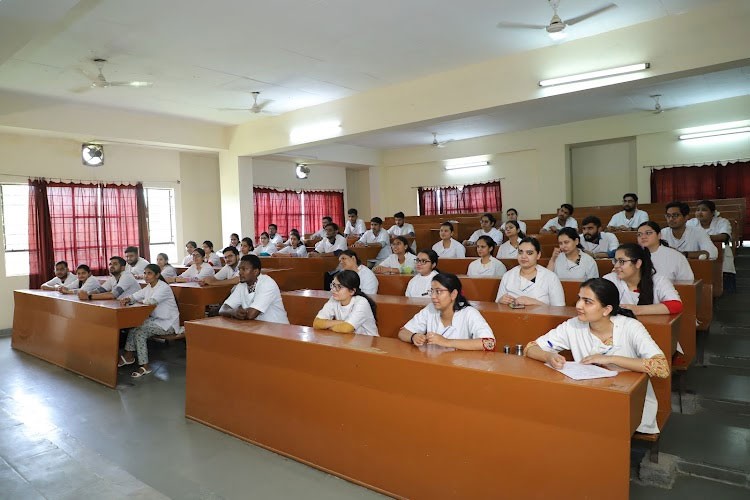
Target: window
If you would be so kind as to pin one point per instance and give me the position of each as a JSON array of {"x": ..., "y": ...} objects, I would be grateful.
[
  {"x": 301, "y": 210},
  {"x": 161, "y": 222},
  {"x": 472, "y": 198},
  {"x": 15, "y": 221}
]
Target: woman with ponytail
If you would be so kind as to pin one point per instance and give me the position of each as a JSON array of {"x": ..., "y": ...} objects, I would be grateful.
[
  {"x": 568, "y": 260},
  {"x": 641, "y": 289},
  {"x": 450, "y": 321},
  {"x": 667, "y": 261},
  {"x": 348, "y": 310},
  {"x": 605, "y": 334}
]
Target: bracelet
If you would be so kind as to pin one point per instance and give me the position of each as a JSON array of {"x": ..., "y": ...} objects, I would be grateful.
[
  {"x": 488, "y": 343},
  {"x": 412, "y": 337}
]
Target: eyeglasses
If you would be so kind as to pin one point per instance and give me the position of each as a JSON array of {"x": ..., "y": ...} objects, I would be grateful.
[
  {"x": 645, "y": 233},
  {"x": 672, "y": 216},
  {"x": 438, "y": 291},
  {"x": 621, "y": 262},
  {"x": 336, "y": 287},
  {"x": 422, "y": 261}
]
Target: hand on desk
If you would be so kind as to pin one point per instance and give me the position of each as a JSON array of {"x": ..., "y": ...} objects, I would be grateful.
[
  {"x": 555, "y": 360},
  {"x": 82, "y": 295},
  {"x": 239, "y": 313},
  {"x": 437, "y": 339},
  {"x": 596, "y": 359},
  {"x": 419, "y": 339}
]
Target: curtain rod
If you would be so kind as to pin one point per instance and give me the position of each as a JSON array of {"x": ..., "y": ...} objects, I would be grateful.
[
  {"x": 695, "y": 164},
  {"x": 278, "y": 188},
  {"x": 83, "y": 181},
  {"x": 458, "y": 184}
]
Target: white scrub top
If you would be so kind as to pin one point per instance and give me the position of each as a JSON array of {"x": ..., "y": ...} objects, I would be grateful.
[
  {"x": 493, "y": 269},
  {"x": 407, "y": 267},
  {"x": 227, "y": 272},
  {"x": 382, "y": 238},
  {"x": 583, "y": 270},
  {"x": 90, "y": 285},
  {"x": 553, "y": 222},
  {"x": 325, "y": 246},
  {"x": 467, "y": 324},
  {"x": 455, "y": 251},
  {"x": 405, "y": 230},
  {"x": 671, "y": 264},
  {"x": 493, "y": 233},
  {"x": 270, "y": 249},
  {"x": 419, "y": 286},
  {"x": 265, "y": 297},
  {"x": 719, "y": 225},
  {"x": 138, "y": 268},
  {"x": 619, "y": 219},
  {"x": 607, "y": 243},
  {"x": 546, "y": 287},
  {"x": 368, "y": 282},
  {"x": 57, "y": 282},
  {"x": 193, "y": 274},
  {"x": 693, "y": 240},
  {"x": 357, "y": 228},
  {"x": 663, "y": 290},
  {"x": 507, "y": 251},
  {"x": 357, "y": 313},
  {"x": 166, "y": 315},
  {"x": 124, "y": 287},
  {"x": 300, "y": 251}
]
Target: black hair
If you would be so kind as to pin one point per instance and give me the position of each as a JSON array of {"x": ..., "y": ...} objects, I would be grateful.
[
  {"x": 335, "y": 226},
  {"x": 295, "y": 232},
  {"x": 272, "y": 225},
  {"x": 61, "y": 263},
  {"x": 166, "y": 257},
  {"x": 646, "y": 284},
  {"x": 490, "y": 243},
  {"x": 709, "y": 204},
  {"x": 192, "y": 244},
  {"x": 521, "y": 235},
  {"x": 512, "y": 209},
  {"x": 405, "y": 242},
  {"x": 209, "y": 244},
  {"x": 352, "y": 211},
  {"x": 684, "y": 207},
  {"x": 399, "y": 215},
  {"x": 630, "y": 195},
  {"x": 253, "y": 260},
  {"x": 432, "y": 255},
  {"x": 534, "y": 242},
  {"x": 377, "y": 220},
  {"x": 201, "y": 252},
  {"x": 132, "y": 250},
  {"x": 451, "y": 282},
  {"x": 84, "y": 267},
  {"x": 249, "y": 242},
  {"x": 235, "y": 235},
  {"x": 448, "y": 225},
  {"x": 568, "y": 206},
  {"x": 572, "y": 234},
  {"x": 352, "y": 253},
  {"x": 656, "y": 227},
  {"x": 350, "y": 279},
  {"x": 119, "y": 259},
  {"x": 608, "y": 295},
  {"x": 231, "y": 249},
  {"x": 591, "y": 219},
  {"x": 491, "y": 217},
  {"x": 267, "y": 235},
  {"x": 330, "y": 219},
  {"x": 154, "y": 268}
]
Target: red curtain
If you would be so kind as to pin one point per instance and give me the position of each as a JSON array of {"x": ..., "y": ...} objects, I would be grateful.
[
  {"x": 120, "y": 221},
  {"x": 142, "y": 209},
  {"x": 319, "y": 204},
  {"x": 685, "y": 183},
  {"x": 428, "y": 201},
  {"x": 41, "y": 256},
  {"x": 734, "y": 180},
  {"x": 450, "y": 200},
  {"x": 282, "y": 208},
  {"x": 481, "y": 198}
]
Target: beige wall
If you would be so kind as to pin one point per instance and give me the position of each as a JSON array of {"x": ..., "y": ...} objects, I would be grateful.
[
  {"x": 358, "y": 192},
  {"x": 602, "y": 172},
  {"x": 201, "y": 195}
]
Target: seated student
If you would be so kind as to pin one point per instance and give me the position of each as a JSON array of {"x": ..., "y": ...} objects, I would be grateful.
[
  {"x": 256, "y": 297},
  {"x": 426, "y": 264},
  {"x": 333, "y": 243},
  {"x": 246, "y": 247},
  {"x": 190, "y": 247},
  {"x": 718, "y": 229},
  {"x": 321, "y": 233},
  {"x": 295, "y": 248},
  {"x": 400, "y": 228},
  {"x": 512, "y": 215},
  {"x": 605, "y": 334},
  {"x": 349, "y": 310},
  {"x": 486, "y": 265},
  {"x": 630, "y": 217},
  {"x": 569, "y": 261},
  {"x": 265, "y": 247},
  {"x": 562, "y": 220},
  {"x": 401, "y": 261},
  {"x": 227, "y": 275},
  {"x": 514, "y": 233},
  {"x": 667, "y": 262},
  {"x": 198, "y": 271},
  {"x": 167, "y": 271},
  {"x": 487, "y": 221},
  {"x": 349, "y": 260},
  {"x": 376, "y": 236},
  {"x": 211, "y": 258},
  {"x": 273, "y": 235},
  {"x": 163, "y": 320},
  {"x": 596, "y": 242},
  {"x": 529, "y": 283},
  {"x": 450, "y": 321},
  {"x": 691, "y": 241},
  {"x": 63, "y": 277},
  {"x": 354, "y": 225},
  {"x": 234, "y": 241},
  {"x": 135, "y": 263},
  {"x": 119, "y": 283},
  {"x": 85, "y": 282},
  {"x": 288, "y": 240},
  {"x": 641, "y": 290},
  {"x": 447, "y": 247}
]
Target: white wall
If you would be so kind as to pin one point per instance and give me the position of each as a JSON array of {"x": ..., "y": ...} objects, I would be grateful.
[{"x": 602, "y": 172}]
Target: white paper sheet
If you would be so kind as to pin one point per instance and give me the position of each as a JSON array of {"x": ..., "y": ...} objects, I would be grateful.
[{"x": 577, "y": 371}]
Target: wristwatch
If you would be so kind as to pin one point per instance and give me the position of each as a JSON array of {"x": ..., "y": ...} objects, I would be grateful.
[{"x": 90, "y": 296}]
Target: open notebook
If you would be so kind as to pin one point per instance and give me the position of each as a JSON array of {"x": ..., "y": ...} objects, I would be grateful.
[{"x": 577, "y": 371}]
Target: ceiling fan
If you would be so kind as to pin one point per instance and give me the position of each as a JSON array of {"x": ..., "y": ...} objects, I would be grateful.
[
  {"x": 439, "y": 144},
  {"x": 255, "y": 108},
  {"x": 658, "y": 109},
  {"x": 556, "y": 26},
  {"x": 100, "y": 81}
]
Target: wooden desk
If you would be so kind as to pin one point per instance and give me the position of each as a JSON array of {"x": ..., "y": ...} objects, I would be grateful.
[
  {"x": 192, "y": 298},
  {"x": 481, "y": 289},
  {"x": 366, "y": 253},
  {"x": 80, "y": 336},
  {"x": 410, "y": 422}
]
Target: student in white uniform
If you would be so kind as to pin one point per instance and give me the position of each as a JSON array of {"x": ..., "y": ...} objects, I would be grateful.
[
  {"x": 667, "y": 262},
  {"x": 190, "y": 247},
  {"x": 135, "y": 263},
  {"x": 604, "y": 333},
  {"x": 234, "y": 241},
  {"x": 295, "y": 248},
  {"x": 641, "y": 290},
  {"x": 569, "y": 261},
  {"x": 692, "y": 242},
  {"x": 333, "y": 243},
  {"x": 376, "y": 236},
  {"x": 447, "y": 247},
  {"x": 514, "y": 234},
  {"x": 85, "y": 281},
  {"x": 349, "y": 310},
  {"x": 63, "y": 277},
  {"x": 354, "y": 225},
  {"x": 256, "y": 297},
  {"x": 597, "y": 243},
  {"x": 120, "y": 283},
  {"x": 288, "y": 240},
  {"x": 265, "y": 247},
  {"x": 718, "y": 229},
  {"x": 211, "y": 258},
  {"x": 562, "y": 220},
  {"x": 163, "y": 320},
  {"x": 246, "y": 247},
  {"x": 486, "y": 265},
  {"x": 487, "y": 223},
  {"x": 512, "y": 215},
  {"x": 227, "y": 275},
  {"x": 426, "y": 263},
  {"x": 349, "y": 260},
  {"x": 321, "y": 233},
  {"x": 198, "y": 271},
  {"x": 273, "y": 235},
  {"x": 400, "y": 228},
  {"x": 450, "y": 321},
  {"x": 630, "y": 217},
  {"x": 167, "y": 271},
  {"x": 401, "y": 261},
  {"x": 529, "y": 283}
]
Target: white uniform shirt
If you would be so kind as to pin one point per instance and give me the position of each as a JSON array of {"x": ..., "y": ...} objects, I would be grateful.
[
  {"x": 507, "y": 251},
  {"x": 608, "y": 242},
  {"x": 270, "y": 249},
  {"x": 406, "y": 268},
  {"x": 57, "y": 282},
  {"x": 265, "y": 298},
  {"x": 187, "y": 261},
  {"x": 405, "y": 230},
  {"x": 90, "y": 285},
  {"x": 671, "y": 264},
  {"x": 382, "y": 238},
  {"x": 213, "y": 259},
  {"x": 227, "y": 272},
  {"x": 554, "y": 223},
  {"x": 719, "y": 225},
  {"x": 368, "y": 282},
  {"x": 357, "y": 228},
  {"x": 193, "y": 274},
  {"x": 166, "y": 315},
  {"x": 629, "y": 339},
  {"x": 619, "y": 219},
  {"x": 693, "y": 240},
  {"x": 522, "y": 226},
  {"x": 125, "y": 286},
  {"x": 138, "y": 268},
  {"x": 300, "y": 251},
  {"x": 169, "y": 271},
  {"x": 494, "y": 269},
  {"x": 276, "y": 239},
  {"x": 567, "y": 270},
  {"x": 455, "y": 251},
  {"x": 419, "y": 286},
  {"x": 663, "y": 290},
  {"x": 325, "y": 246},
  {"x": 546, "y": 287},
  {"x": 493, "y": 233},
  {"x": 318, "y": 234},
  {"x": 467, "y": 324},
  {"x": 357, "y": 313}
]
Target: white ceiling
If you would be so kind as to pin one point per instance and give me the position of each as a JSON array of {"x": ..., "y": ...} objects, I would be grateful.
[{"x": 204, "y": 55}]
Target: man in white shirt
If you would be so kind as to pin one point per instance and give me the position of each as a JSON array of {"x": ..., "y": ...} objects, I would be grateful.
[
  {"x": 692, "y": 242},
  {"x": 227, "y": 275},
  {"x": 400, "y": 228},
  {"x": 597, "y": 243},
  {"x": 630, "y": 217},
  {"x": 332, "y": 244},
  {"x": 376, "y": 236},
  {"x": 354, "y": 226},
  {"x": 320, "y": 234},
  {"x": 135, "y": 263},
  {"x": 274, "y": 236},
  {"x": 190, "y": 247},
  {"x": 257, "y": 296},
  {"x": 63, "y": 277},
  {"x": 562, "y": 220},
  {"x": 120, "y": 283}
]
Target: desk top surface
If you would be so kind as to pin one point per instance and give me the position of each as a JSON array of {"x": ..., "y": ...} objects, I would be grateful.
[{"x": 106, "y": 304}]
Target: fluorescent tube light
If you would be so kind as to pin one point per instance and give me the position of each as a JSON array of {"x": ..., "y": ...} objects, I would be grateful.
[
  {"x": 466, "y": 164},
  {"x": 595, "y": 74},
  {"x": 714, "y": 133}
]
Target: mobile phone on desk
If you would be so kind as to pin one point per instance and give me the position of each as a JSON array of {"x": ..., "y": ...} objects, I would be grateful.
[{"x": 516, "y": 305}]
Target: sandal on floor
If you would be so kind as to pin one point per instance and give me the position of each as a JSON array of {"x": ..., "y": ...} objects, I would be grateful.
[
  {"x": 141, "y": 372},
  {"x": 124, "y": 362}
]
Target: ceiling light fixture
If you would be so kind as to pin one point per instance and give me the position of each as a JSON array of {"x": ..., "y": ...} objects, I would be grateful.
[
  {"x": 466, "y": 164},
  {"x": 594, "y": 75},
  {"x": 301, "y": 171},
  {"x": 92, "y": 155},
  {"x": 715, "y": 133}
]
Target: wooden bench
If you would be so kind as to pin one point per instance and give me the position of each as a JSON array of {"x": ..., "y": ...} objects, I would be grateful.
[{"x": 482, "y": 289}]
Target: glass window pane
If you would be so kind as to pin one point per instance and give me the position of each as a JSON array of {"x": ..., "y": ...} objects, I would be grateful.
[
  {"x": 161, "y": 220},
  {"x": 170, "y": 249},
  {"x": 16, "y": 263},
  {"x": 15, "y": 213}
]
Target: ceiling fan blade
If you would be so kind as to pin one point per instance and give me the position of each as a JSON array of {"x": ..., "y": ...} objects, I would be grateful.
[
  {"x": 81, "y": 90},
  {"x": 595, "y": 12},
  {"x": 234, "y": 109},
  {"x": 504, "y": 25},
  {"x": 134, "y": 83}
]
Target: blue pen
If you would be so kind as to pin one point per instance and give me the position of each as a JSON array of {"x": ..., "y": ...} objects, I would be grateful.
[{"x": 550, "y": 345}]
